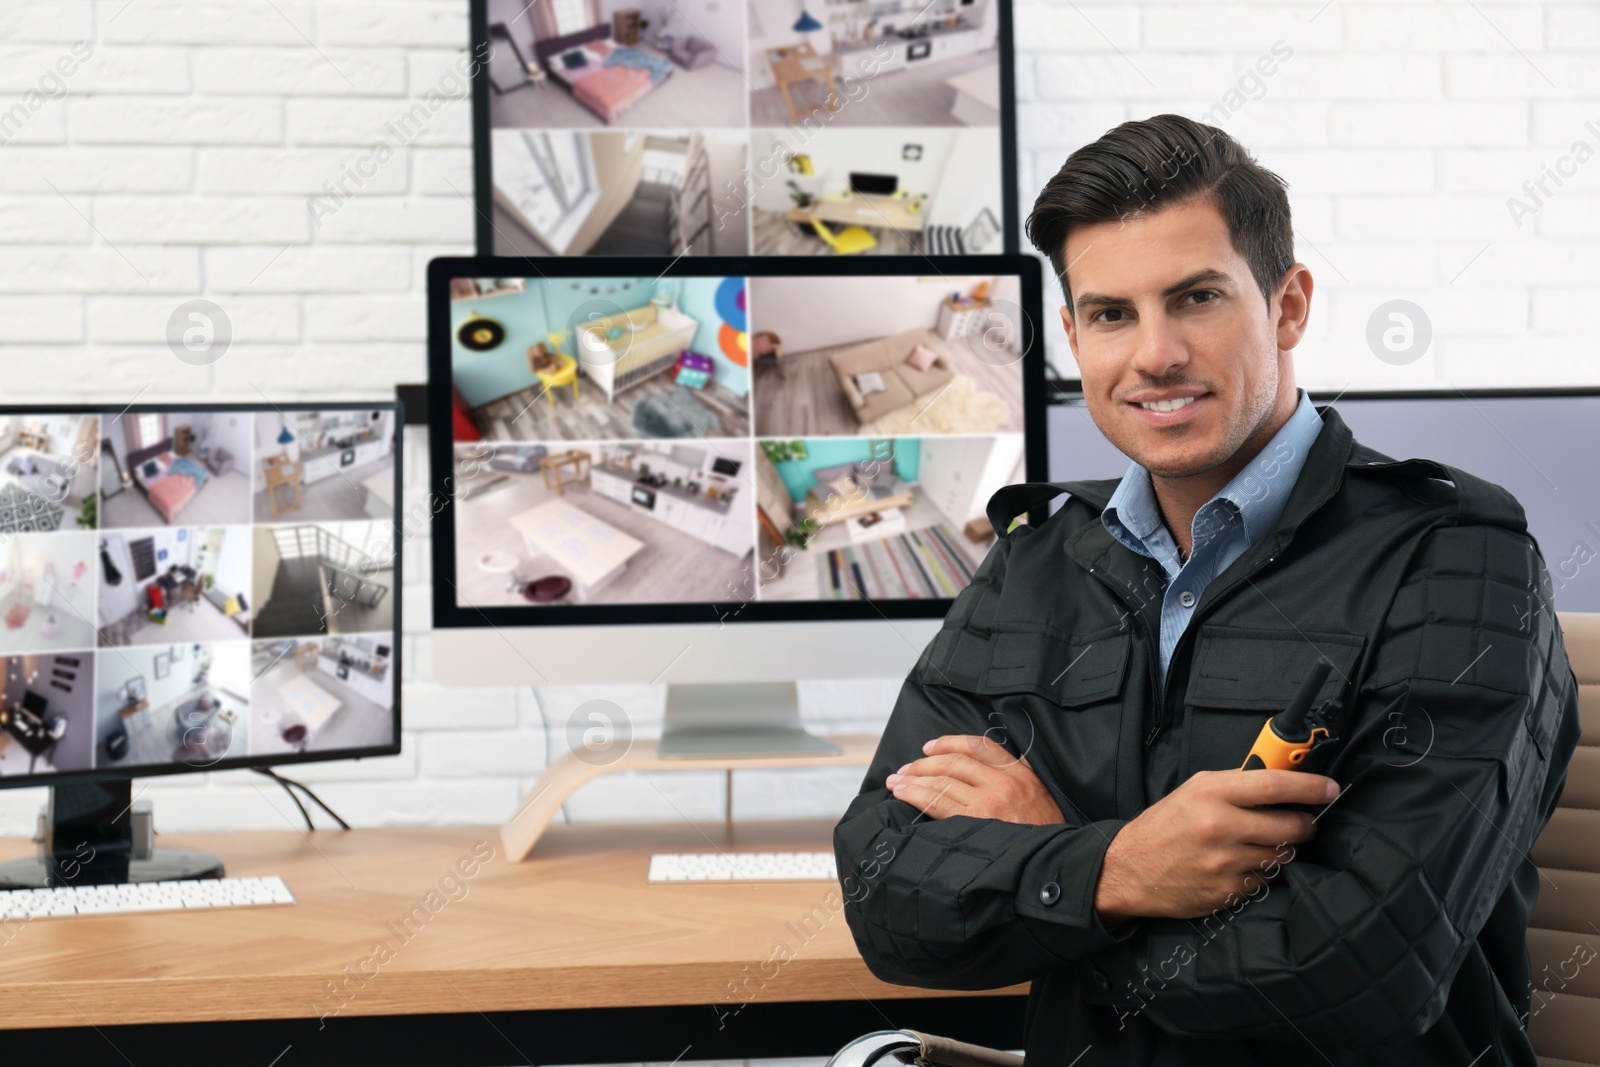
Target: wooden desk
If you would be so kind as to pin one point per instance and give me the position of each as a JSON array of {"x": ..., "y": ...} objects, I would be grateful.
[
  {"x": 281, "y": 472},
  {"x": 827, "y": 512},
  {"x": 864, "y": 209},
  {"x": 29, "y": 730},
  {"x": 800, "y": 63},
  {"x": 563, "y": 952},
  {"x": 553, "y": 465}
]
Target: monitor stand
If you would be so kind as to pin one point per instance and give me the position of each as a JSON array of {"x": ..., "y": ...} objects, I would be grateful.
[
  {"x": 736, "y": 719},
  {"x": 88, "y": 840}
]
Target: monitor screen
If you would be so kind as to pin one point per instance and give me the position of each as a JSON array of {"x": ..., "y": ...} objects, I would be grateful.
[
  {"x": 193, "y": 587},
  {"x": 881, "y": 184},
  {"x": 766, "y": 440},
  {"x": 734, "y": 128},
  {"x": 1521, "y": 440}
]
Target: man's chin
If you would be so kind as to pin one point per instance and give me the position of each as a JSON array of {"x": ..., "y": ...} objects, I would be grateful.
[{"x": 1185, "y": 461}]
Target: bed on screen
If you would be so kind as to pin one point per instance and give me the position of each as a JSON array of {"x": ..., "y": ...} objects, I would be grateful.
[
  {"x": 169, "y": 481},
  {"x": 606, "y": 77}
]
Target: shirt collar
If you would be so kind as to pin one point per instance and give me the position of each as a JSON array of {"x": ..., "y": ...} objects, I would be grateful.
[{"x": 1257, "y": 494}]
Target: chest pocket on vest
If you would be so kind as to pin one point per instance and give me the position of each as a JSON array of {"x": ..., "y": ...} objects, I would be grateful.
[
  {"x": 1242, "y": 676},
  {"x": 1069, "y": 670}
]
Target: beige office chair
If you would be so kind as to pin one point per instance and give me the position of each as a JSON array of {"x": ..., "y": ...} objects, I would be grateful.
[
  {"x": 1563, "y": 939},
  {"x": 1563, "y": 944}
]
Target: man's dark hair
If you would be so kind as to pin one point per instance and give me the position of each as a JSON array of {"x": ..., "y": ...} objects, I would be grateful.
[{"x": 1142, "y": 167}]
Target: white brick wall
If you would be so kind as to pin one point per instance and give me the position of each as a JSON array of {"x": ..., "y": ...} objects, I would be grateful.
[
  {"x": 1402, "y": 129},
  {"x": 181, "y": 158}
]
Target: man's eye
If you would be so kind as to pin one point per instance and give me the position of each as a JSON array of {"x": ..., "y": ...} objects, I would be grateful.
[
  {"x": 1110, "y": 315},
  {"x": 1202, "y": 296}
]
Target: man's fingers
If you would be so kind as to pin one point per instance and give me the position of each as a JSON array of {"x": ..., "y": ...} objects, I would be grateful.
[
  {"x": 937, "y": 797},
  {"x": 982, "y": 749},
  {"x": 1255, "y": 789},
  {"x": 957, "y": 765},
  {"x": 1271, "y": 828}
]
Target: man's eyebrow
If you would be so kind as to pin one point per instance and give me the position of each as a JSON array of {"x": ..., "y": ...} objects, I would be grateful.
[{"x": 1199, "y": 277}]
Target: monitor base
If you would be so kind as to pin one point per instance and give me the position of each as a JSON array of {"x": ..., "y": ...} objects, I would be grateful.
[
  {"x": 86, "y": 837},
  {"x": 165, "y": 865},
  {"x": 736, "y": 720}
]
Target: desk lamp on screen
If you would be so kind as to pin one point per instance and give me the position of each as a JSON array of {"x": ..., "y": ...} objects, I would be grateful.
[
  {"x": 722, "y": 474},
  {"x": 183, "y": 589}
]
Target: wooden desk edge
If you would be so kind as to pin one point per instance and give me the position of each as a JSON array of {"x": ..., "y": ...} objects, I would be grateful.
[{"x": 70, "y": 1003}]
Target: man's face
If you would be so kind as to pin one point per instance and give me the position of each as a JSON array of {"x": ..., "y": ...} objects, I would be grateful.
[{"x": 1166, "y": 311}]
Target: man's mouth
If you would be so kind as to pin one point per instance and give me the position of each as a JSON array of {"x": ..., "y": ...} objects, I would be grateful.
[
  {"x": 1172, "y": 409},
  {"x": 1168, "y": 405}
]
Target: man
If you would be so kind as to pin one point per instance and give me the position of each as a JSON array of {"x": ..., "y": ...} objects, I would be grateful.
[{"x": 1057, "y": 798}]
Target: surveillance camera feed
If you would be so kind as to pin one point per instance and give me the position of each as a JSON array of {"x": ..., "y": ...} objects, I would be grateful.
[
  {"x": 698, "y": 127},
  {"x": 184, "y": 587},
  {"x": 633, "y": 441}
]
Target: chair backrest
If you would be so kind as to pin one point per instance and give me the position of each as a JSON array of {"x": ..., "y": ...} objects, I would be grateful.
[
  {"x": 825, "y": 233},
  {"x": 1563, "y": 941}
]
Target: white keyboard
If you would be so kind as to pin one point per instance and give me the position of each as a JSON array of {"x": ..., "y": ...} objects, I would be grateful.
[
  {"x": 193, "y": 894},
  {"x": 743, "y": 867}
]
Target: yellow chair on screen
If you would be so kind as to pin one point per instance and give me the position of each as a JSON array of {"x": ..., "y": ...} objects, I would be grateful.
[
  {"x": 566, "y": 374},
  {"x": 848, "y": 241}
]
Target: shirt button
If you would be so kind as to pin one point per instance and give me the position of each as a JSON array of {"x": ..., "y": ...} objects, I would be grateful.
[
  {"x": 1049, "y": 893},
  {"x": 1186, "y": 598}
]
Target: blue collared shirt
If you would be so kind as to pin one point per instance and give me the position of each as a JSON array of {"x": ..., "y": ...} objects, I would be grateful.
[{"x": 1243, "y": 512}]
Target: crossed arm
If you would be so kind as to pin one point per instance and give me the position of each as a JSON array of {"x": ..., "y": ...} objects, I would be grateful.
[{"x": 1207, "y": 842}]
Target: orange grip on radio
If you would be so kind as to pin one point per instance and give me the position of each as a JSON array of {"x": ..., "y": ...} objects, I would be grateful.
[{"x": 1272, "y": 752}]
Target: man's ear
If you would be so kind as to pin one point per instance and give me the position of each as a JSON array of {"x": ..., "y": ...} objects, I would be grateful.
[
  {"x": 1072, "y": 329},
  {"x": 1293, "y": 306}
]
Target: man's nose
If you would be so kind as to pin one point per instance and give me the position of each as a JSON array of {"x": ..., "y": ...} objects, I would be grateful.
[{"x": 1159, "y": 349}]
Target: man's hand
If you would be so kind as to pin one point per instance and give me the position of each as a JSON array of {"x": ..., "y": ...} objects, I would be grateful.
[
  {"x": 1209, "y": 839},
  {"x": 966, "y": 775}
]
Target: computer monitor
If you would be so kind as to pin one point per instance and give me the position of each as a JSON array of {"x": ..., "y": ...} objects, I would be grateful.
[
  {"x": 1522, "y": 439},
  {"x": 642, "y": 130},
  {"x": 186, "y": 588},
  {"x": 719, "y": 470},
  {"x": 880, "y": 184}
]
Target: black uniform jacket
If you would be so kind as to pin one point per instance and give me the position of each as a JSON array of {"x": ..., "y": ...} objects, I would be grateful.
[{"x": 1396, "y": 935}]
